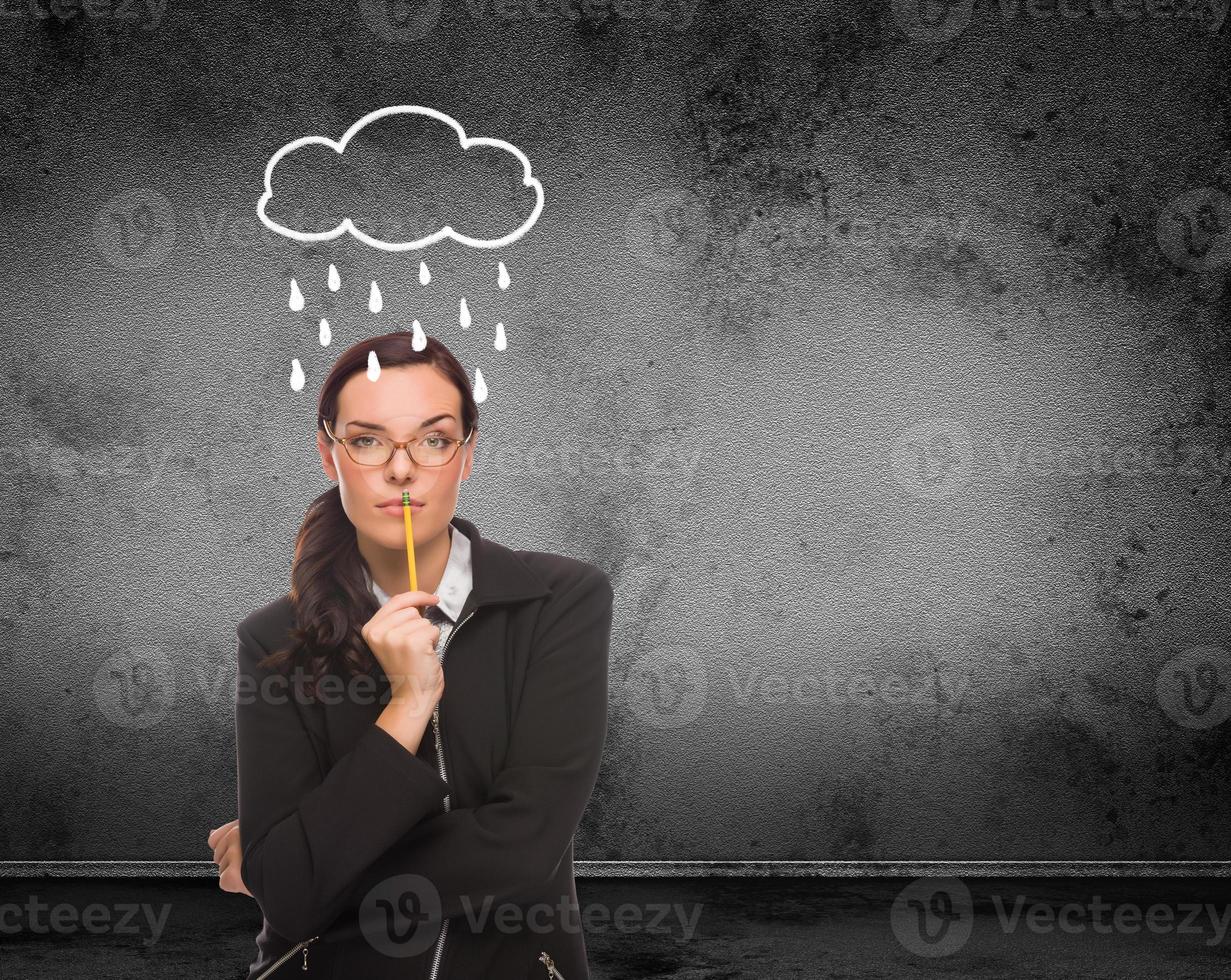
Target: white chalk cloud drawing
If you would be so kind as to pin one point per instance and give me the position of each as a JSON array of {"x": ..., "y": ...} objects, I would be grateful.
[
  {"x": 297, "y": 301},
  {"x": 346, "y": 225}
]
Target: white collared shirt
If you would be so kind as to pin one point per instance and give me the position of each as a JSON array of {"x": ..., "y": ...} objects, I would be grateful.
[{"x": 455, "y": 583}]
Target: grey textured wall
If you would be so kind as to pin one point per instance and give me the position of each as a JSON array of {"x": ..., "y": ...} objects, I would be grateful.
[{"x": 882, "y": 362}]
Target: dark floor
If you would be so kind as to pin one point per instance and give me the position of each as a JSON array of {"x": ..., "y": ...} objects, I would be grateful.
[{"x": 1173, "y": 928}]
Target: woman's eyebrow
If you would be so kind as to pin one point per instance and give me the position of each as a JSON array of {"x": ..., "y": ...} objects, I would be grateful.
[{"x": 381, "y": 428}]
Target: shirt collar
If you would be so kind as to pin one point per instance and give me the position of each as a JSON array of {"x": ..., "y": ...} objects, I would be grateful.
[{"x": 456, "y": 582}]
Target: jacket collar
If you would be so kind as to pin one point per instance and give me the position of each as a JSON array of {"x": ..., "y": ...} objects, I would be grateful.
[{"x": 499, "y": 574}]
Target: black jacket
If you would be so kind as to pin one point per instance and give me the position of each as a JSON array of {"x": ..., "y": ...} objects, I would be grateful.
[{"x": 332, "y": 809}]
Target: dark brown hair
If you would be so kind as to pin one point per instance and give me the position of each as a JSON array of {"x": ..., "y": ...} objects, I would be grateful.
[{"x": 329, "y": 596}]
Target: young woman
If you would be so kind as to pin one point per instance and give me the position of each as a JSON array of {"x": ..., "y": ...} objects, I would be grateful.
[{"x": 406, "y": 811}]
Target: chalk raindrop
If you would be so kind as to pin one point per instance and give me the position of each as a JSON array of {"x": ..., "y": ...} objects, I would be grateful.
[
  {"x": 480, "y": 386},
  {"x": 502, "y": 280},
  {"x": 373, "y": 366},
  {"x": 326, "y": 333},
  {"x": 296, "y": 300},
  {"x": 419, "y": 340},
  {"x": 424, "y": 276},
  {"x": 335, "y": 281},
  {"x": 375, "y": 301},
  {"x": 463, "y": 313},
  {"x": 501, "y": 341},
  {"x": 296, "y": 374}
]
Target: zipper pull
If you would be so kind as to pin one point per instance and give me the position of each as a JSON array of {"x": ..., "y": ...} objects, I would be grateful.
[
  {"x": 288, "y": 956},
  {"x": 305, "y": 951},
  {"x": 549, "y": 963}
]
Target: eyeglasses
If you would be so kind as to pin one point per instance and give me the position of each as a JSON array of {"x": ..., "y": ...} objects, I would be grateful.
[{"x": 370, "y": 449}]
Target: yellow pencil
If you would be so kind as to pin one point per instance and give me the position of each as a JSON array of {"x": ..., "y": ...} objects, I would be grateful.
[{"x": 410, "y": 540}]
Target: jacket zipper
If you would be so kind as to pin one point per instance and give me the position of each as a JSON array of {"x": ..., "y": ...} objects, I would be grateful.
[
  {"x": 440, "y": 763},
  {"x": 551, "y": 966},
  {"x": 288, "y": 954}
]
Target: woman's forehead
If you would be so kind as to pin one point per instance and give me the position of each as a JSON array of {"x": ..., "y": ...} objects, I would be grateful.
[{"x": 408, "y": 395}]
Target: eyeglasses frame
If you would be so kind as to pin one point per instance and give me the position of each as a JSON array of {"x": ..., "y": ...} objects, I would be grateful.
[{"x": 457, "y": 444}]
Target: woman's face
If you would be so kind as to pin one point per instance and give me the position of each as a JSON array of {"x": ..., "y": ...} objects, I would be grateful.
[{"x": 405, "y": 402}]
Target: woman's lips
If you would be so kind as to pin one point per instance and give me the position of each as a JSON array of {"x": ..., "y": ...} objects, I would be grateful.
[{"x": 395, "y": 510}]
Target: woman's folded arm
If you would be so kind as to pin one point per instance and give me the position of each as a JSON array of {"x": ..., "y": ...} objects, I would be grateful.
[
  {"x": 307, "y": 839},
  {"x": 501, "y": 850}
]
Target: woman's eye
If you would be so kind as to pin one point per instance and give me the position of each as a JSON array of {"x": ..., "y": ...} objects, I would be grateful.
[
  {"x": 435, "y": 441},
  {"x": 359, "y": 441}
]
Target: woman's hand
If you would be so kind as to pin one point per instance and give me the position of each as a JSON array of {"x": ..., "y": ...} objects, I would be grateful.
[
  {"x": 229, "y": 856},
  {"x": 404, "y": 642}
]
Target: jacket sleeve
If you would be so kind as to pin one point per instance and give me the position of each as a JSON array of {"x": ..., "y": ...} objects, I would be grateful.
[
  {"x": 514, "y": 841},
  {"x": 306, "y": 839}
]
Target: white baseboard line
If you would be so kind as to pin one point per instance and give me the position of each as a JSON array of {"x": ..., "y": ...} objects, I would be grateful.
[{"x": 700, "y": 869}]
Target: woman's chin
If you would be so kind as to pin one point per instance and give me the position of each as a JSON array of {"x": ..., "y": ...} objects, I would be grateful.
[{"x": 392, "y": 534}]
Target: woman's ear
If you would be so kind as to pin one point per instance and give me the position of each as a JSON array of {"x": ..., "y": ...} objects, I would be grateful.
[
  {"x": 469, "y": 452},
  {"x": 325, "y": 448}
]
